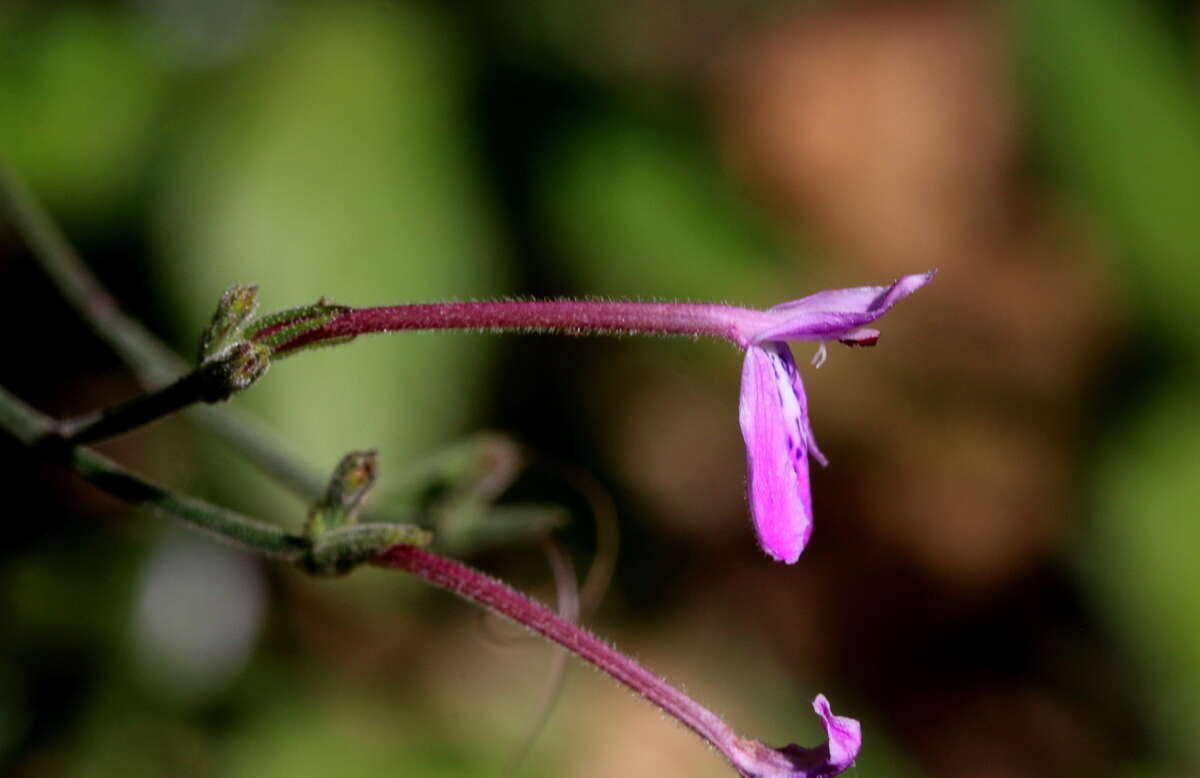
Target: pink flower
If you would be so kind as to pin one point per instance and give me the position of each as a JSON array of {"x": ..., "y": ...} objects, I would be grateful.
[{"x": 774, "y": 409}]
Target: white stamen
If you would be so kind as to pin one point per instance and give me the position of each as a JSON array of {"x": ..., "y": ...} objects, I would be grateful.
[{"x": 821, "y": 355}]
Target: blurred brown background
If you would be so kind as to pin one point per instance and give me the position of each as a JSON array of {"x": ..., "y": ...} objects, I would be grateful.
[{"x": 1002, "y": 580}]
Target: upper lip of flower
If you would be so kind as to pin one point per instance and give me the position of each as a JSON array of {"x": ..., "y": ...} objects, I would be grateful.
[
  {"x": 833, "y": 313},
  {"x": 774, "y": 410}
]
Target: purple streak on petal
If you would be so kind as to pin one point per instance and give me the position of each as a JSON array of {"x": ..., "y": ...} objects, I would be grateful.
[
  {"x": 774, "y": 421},
  {"x": 810, "y": 439},
  {"x": 832, "y": 314}
]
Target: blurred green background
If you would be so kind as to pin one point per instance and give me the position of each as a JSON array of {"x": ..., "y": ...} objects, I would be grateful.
[{"x": 1004, "y": 578}]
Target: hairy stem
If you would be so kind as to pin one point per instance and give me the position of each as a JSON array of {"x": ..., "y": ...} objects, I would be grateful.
[
  {"x": 576, "y": 317},
  {"x": 482, "y": 589}
]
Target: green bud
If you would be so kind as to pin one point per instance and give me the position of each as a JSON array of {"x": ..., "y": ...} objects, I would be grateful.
[
  {"x": 235, "y": 368},
  {"x": 234, "y": 311},
  {"x": 347, "y": 493}
]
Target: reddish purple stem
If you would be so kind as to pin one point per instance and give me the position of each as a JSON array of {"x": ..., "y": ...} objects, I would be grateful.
[
  {"x": 487, "y": 591},
  {"x": 566, "y": 316}
]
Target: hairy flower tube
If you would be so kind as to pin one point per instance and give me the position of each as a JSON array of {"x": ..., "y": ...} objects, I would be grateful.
[{"x": 773, "y": 409}]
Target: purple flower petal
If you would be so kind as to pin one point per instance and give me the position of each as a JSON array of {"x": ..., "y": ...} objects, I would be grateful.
[
  {"x": 845, "y": 735},
  {"x": 835, "y": 313},
  {"x": 774, "y": 409},
  {"x": 831, "y": 758},
  {"x": 775, "y": 426}
]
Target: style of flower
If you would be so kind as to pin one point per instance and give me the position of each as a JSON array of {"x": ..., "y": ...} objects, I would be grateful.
[{"x": 774, "y": 409}]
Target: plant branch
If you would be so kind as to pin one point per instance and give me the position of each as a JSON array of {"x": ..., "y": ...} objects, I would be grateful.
[
  {"x": 217, "y": 379},
  {"x": 139, "y": 411},
  {"x": 34, "y": 429}
]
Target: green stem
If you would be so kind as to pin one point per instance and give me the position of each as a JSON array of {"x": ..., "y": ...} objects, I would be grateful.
[
  {"x": 32, "y": 428},
  {"x": 243, "y": 531}
]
